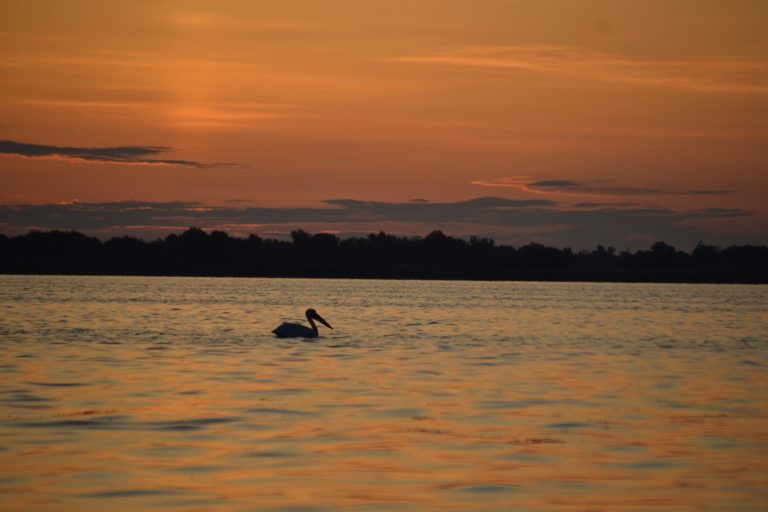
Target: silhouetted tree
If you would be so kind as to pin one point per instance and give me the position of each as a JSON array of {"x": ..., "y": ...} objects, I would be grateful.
[
  {"x": 744, "y": 256},
  {"x": 481, "y": 250},
  {"x": 705, "y": 255},
  {"x": 536, "y": 255},
  {"x": 68, "y": 250},
  {"x": 126, "y": 250},
  {"x": 440, "y": 249}
]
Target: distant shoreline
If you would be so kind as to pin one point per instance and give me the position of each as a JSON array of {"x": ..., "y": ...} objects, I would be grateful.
[{"x": 437, "y": 256}]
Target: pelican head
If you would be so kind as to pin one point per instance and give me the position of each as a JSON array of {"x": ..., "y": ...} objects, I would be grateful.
[{"x": 312, "y": 315}]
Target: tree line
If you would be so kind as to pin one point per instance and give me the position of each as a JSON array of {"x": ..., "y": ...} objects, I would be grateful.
[{"x": 377, "y": 255}]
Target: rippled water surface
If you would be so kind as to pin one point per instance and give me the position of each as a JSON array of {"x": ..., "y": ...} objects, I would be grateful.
[{"x": 171, "y": 394}]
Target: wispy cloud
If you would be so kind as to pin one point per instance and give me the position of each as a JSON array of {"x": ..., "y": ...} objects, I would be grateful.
[
  {"x": 205, "y": 20},
  {"x": 706, "y": 74},
  {"x": 576, "y": 188},
  {"x": 180, "y": 114},
  {"x": 124, "y": 155}
]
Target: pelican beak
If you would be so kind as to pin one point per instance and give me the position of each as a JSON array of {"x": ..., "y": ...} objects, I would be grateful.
[{"x": 320, "y": 319}]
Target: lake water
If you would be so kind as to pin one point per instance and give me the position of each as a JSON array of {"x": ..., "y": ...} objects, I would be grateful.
[{"x": 131, "y": 393}]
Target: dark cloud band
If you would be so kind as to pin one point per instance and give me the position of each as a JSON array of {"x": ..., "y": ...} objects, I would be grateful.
[
  {"x": 487, "y": 215},
  {"x": 114, "y": 155}
]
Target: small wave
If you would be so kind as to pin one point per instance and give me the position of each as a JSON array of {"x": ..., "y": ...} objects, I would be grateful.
[
  {"x": 537, "y": 440},
  {"x": 568, "y": 425},
  {"x": 485, "y": 489},
  {"x": 286, "y": 412},
  {"x": 118, "y": 422},
  {"x": 269, "y": 454},
  {"x": 24, "y": 397},
  {"x": 129, "y": 493},
  {"x": 82, "y": 413},
  {"x": 57, "y": 384}
]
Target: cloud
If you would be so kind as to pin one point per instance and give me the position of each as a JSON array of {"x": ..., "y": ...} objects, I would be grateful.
[
  {"x": 719, "y": 213},
  {"x": 576, "y": 188},
  {"x": 124, "y": 155},
  {"x": 554, "y": 183},
  {"x": 704, "y": 74},
  {"x": 490, "y": 216},
  {"x": 202, "y": 20},
  {"x": 602, "y": 205},
  {"x": 83, "y": 215},
  {"x": 482, "y": 210},
  {"x": 706, "y": 192}
]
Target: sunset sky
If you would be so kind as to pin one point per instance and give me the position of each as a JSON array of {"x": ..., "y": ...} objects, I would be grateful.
[{"x": 564, "y": 122}]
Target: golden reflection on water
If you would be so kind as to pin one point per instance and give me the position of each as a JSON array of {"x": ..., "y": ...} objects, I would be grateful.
[{"x": 487, "y": 409}]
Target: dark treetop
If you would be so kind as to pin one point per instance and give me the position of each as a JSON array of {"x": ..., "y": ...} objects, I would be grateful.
[{"x": 435, "y": 256}]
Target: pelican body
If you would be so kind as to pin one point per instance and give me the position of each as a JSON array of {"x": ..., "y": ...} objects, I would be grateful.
[{"x": 289, "y": 330}]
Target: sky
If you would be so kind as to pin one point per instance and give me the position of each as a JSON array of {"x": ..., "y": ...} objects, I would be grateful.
[{"x": 568, "y": 123}]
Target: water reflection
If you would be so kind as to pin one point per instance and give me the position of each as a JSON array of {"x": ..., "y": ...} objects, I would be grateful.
[{"x": 479, "y": 396}]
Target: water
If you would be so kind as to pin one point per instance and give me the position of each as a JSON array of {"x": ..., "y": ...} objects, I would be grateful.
[{"x": 171, "y": 394}]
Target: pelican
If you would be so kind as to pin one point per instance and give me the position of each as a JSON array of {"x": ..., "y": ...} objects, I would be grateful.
[{"x": 288, "y": 330}]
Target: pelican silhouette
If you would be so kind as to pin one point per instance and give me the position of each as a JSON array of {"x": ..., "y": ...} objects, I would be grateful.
[{"x": 288, "y": 330}]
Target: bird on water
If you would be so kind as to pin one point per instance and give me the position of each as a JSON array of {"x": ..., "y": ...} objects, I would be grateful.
[{"x": 290, "y": 330}]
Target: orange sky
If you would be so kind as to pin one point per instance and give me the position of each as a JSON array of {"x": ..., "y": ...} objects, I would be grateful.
[{"x": 592, "y": 106}]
